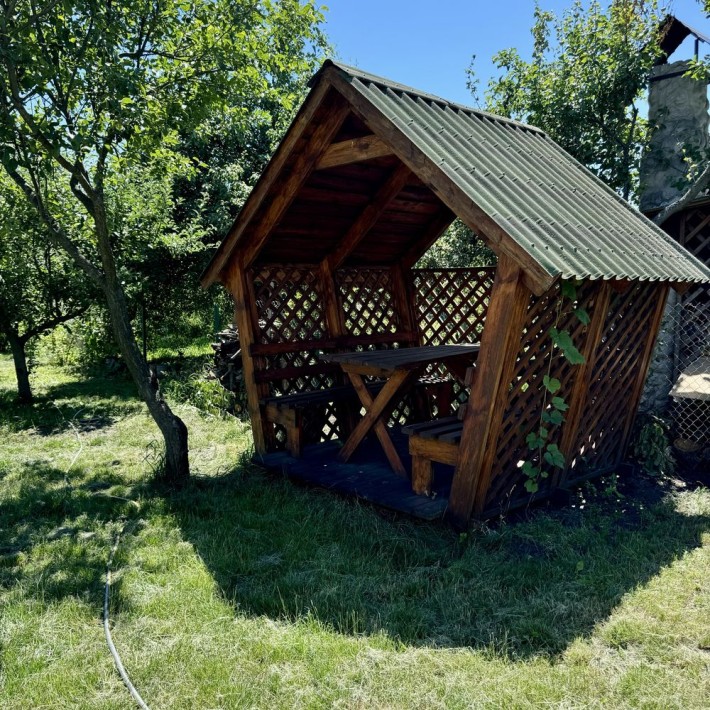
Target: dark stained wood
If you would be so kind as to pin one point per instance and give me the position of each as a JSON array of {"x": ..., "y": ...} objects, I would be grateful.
[
  {"x": 578, "y": 395},
  {"x": 535, "y": 276},
  {"x": 269, "y": 176},
  {"x": 404, "y": 358},
  {"x": 353, "y": 150},
  {"x": 302, "y": 167},
  {"x": 368, "y": 217},
  {"x": 403, "y": 290},
  {"x": 367, "y": 477},
  {"x": 302, "y": 345},
  {"x": 436, "y": 227},
  {"x": 637, "y": 391},
  {"x": 375, "y": 411},
  {"x": 500, "y": 344}
]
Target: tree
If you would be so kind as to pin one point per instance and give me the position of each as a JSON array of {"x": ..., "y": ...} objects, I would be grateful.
[
  {"x": 40, "y": 288},
  {"x": 588, "y": 72},
  {"x": 97, "y": 89}
]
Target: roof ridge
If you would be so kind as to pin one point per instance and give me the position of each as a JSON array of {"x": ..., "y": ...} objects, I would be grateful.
[{"x": 357, "y": 73}]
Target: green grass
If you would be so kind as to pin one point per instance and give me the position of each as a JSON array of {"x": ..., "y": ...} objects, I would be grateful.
[{"x": 244, "y": 590}]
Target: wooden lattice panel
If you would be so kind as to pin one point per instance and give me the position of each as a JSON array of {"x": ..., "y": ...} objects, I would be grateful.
[
  {"x": 537, "y": 357},
  {"x": 616, "y": 368},
  {"x": 451, "y": 304},
  {"x": 368, "y": 301},
  {"x": 290, "y": 308}
]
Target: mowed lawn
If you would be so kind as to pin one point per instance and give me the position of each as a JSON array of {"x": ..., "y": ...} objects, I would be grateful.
[{"x": 246, "y": 591}]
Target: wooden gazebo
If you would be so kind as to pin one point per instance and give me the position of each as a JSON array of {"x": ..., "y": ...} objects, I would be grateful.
[{"x": 320, "y": 263}]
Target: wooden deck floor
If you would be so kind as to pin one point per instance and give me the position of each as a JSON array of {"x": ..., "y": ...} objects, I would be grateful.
[{"x": 367, "y": 476}]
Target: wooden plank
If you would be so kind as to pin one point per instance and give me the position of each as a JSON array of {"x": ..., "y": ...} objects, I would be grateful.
[
  {"x": 644, "y": 364},
  {"x": 535, "y": 275},
  {"x": 236, "y": 283},
  {"x": 354, "y": 150},
  {"x": 376, "y": 409},
  {"x": 434, "y": 450},
  {"x": 303, "y": 118},
  {"x": 354, "y": 341},
  {"x": 295, "y": 347},
  {"x": 404, "y": 358},
  {"x": 302, "y": 167},
  {"x": 580, "y": 387},
  {"x": 500, "y": 344},
  {"x": 294, "y": 371},
  {"x": 369, "y": 216}
]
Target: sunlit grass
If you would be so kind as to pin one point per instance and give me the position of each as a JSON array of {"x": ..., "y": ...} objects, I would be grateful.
[{"x": 244, "y": 590}]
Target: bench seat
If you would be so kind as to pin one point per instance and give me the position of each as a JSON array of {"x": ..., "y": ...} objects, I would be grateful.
[{"x": 287, "y": 410}]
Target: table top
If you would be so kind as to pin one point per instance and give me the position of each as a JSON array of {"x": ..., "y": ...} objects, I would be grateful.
[{"x": 403, "y": 358}]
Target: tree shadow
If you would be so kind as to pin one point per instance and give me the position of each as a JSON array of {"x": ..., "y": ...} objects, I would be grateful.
[
  {"x": 47, "y": 520},
  {"x": 93, "y": 403},
  {"x": 522, "y": 587}
]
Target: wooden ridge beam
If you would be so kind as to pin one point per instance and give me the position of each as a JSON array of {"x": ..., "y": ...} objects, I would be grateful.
[
  {"x": 369, "y": 216},
  {"x": 354, "y": 150}
]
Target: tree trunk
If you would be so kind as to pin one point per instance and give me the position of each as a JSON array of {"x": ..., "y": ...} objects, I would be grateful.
[
  {"x": 17, "y": 346},
  {"x": 173, "y": 429}
]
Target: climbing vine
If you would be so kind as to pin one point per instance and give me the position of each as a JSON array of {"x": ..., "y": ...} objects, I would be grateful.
[{"x": 546, "y": 455}]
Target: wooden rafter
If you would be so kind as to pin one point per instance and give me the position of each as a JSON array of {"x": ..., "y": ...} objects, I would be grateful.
[
  {"x": 436, "y": 227},
  {"x": 286, "y": 192},
  {"x": 369, "y": 216},
  {"x": 534, "y": 274},
  {"x": 354, "y": 150},
  {"x": 316, "y": 99}
]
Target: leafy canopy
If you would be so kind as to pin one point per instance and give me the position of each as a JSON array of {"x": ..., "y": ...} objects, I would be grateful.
[{"x": 583, "y": 84}]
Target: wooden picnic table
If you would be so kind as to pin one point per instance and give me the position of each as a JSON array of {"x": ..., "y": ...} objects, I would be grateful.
[{"x": 400, "y": 367}]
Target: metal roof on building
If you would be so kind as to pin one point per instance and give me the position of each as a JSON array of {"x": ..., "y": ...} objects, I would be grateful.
[{"x": 553, "y": 207}]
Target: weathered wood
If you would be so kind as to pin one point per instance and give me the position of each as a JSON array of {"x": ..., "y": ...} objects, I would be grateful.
[
  {"x": 643, "y": 366},
  {"x": 372, "y": 420},
  {"x": 302, "y": 167},
  {"x": 368, "y": 217},
  {"x": 579, "y": 392},
  {"x": 236, "y": 283},
  {"x": 500, "y": 344},
  {"x": 405, "y": 358},
  {"x": 289, "y": 142},
  {"x": 535, "y": 276},
  {"x": 353, "y": 151}
]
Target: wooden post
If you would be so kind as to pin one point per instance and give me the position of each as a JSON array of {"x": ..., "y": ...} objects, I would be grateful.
[
  {"x": 500, "y": 344},
  {"x": 403, "y": 291},
  {"x": 236, "y": 282},
  {"x": 580, "y": 385}
]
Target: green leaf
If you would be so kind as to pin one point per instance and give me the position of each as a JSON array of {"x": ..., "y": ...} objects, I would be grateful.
[
  {"x": 531, "y": 486},
  {"x": 582, "y": 316},
  {"x": 551, "y": 384},
  {"x": 554, "y": 456},
  {"x": 569, "y": 290},
  {"x": 560, "y": 404},
  {"x": 554, "y": 416},
  {"x": 563, "y": 340}
]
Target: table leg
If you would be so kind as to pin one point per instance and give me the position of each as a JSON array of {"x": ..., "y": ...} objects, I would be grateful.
[{"x": 373, "y": 417}]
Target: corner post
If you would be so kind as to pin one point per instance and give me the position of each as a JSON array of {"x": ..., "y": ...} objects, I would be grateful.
[
  {"x": 236, "y": 282},
  {"x": 500, "y": 344}
]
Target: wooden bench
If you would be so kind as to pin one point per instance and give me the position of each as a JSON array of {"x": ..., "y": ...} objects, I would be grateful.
[
  {"x": 288, "y": 410},
  {"x": 435, "y": 441}
]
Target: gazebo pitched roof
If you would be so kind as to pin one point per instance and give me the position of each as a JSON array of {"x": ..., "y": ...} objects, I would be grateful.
[{"x": 510, "y": 182}]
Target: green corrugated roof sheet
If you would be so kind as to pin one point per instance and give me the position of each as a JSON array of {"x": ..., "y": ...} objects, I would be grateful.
[{"x": 553, "y": 207}]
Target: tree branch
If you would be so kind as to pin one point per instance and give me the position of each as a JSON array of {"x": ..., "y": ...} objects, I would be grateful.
[
  {"x": 51, "y": 324},
  {"x": 701, "y": 182}
]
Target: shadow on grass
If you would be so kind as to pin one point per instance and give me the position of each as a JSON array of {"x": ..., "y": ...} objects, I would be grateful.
[
  {"x": 516, "y": 589},
  {"x": 47, "y": 521}
]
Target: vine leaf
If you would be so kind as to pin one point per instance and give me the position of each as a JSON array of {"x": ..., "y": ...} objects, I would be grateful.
[
  {"x": 554, "y": 456},
  {"x": 559, "y": 404},
  {"x": 582, "y": 316},
  {"x": 563, "y": 340},
  {"x": 551, "y": 384}
]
